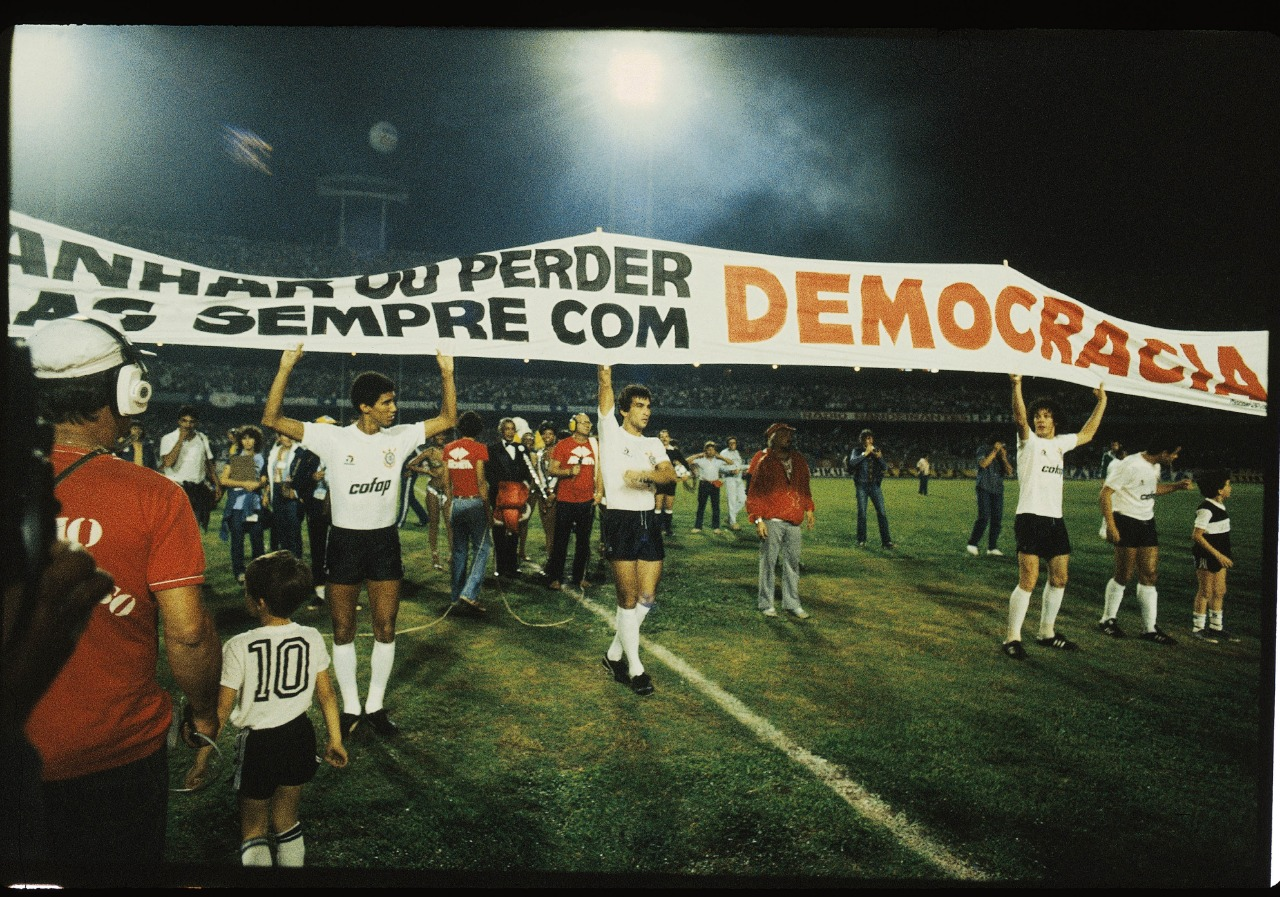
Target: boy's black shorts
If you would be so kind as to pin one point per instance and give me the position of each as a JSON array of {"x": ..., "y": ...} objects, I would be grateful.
[{"x": 269, "y": 758}]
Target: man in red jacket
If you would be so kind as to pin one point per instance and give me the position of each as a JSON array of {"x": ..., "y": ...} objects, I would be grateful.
[{"x": 778, "y": 501}]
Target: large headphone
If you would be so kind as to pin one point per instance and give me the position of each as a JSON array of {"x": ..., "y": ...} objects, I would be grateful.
[{"x": 133, "y": 392}]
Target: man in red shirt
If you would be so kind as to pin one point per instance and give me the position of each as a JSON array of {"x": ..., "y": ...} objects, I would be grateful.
[
  {"x": 778, "y": 501},
  {"x": 575, "y": 461},
  {"x": 101, "y": 727},
  {"x": 470, "y": 516}
]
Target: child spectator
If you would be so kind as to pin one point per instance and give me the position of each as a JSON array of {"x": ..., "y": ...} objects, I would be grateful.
[
  {"x": 1211, "y": 549},
  {"x": 268, "y": 677}
]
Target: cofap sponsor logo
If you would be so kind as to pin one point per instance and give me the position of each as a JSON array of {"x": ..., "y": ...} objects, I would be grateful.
[{"x": 374, "y": 486}]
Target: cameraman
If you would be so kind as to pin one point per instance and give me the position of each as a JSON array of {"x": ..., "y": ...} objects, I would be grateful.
[{"x": 100, "y": 729}]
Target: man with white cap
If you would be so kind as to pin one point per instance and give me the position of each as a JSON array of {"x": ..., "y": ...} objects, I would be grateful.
[
  {"x": 101, "y": 727},
  {"x": 778, "y": 501}
]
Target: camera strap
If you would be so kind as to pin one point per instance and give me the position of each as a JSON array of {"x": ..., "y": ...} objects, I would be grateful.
[{"x": 74, "y": 466}]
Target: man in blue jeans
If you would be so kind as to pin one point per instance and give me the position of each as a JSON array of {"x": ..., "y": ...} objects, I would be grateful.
[
  {"x": 993, "y": 467},
  {"x": 470, "y": 514},
  {"x": 867, "y": 466}
]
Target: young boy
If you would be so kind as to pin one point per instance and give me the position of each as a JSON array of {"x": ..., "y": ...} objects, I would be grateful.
[
  {"x": 1211, "y": 549},
  {"x": 268, "y": 677}
]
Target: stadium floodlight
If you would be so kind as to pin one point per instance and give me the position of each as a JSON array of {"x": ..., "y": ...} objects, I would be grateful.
[{"x": 635, "y": 77}]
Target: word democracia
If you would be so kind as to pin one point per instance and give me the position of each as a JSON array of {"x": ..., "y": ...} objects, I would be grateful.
[{"x": 1013, "y": 319}]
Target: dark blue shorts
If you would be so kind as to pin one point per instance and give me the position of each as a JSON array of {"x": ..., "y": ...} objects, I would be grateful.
[{"x": 632, "y": 535}]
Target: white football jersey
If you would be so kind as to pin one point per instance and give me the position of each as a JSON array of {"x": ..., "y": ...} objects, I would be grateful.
[
  {"x": 1134, "y": 480},
  {"x": 273, "y": 670},
  {"x": 1040, "y": 463},
  {"x": 363, "y": 470},
  {"x": 619, "y": 452}
]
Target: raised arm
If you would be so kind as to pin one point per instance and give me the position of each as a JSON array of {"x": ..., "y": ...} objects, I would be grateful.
[
  {"x": 604, "y": 390},
  {"x": 273, "y": 414},
  {"x": 1095, "y": 419},
  {"x": 448, "y": 415},
  {"x": 1019, "y": 408}
]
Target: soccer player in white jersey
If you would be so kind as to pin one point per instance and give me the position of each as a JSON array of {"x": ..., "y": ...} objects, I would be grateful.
[
  {"x": 1038, "y": 525},
  {"x": 363, "y": 461},
  {"x": 1128, "y": 502},
  {"x": 632, "y": 465}
]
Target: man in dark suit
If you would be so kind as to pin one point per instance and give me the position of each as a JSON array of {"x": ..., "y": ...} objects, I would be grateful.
[{"x": 510, "y": 474}]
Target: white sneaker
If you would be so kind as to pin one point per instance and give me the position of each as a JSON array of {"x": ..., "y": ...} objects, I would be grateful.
[
  {"x": 972, "y": 549},
  {"x": 800, "y": 613},
  {"x": 770, "y": 612},
  {"x": 994, "y": 553}
]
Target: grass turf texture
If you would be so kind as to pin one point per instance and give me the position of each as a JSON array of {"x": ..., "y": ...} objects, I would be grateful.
[{"x": 1125, "y": 762}]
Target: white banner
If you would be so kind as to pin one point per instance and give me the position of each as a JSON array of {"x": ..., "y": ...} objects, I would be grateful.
[{"x": 611, "y": 298}]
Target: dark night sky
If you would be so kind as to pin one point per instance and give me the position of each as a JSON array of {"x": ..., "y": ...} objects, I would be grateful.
[{"x": 1136, "y": 172}]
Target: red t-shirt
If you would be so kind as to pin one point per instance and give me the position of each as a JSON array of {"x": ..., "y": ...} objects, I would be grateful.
[
  {"x": 570, "y": 453},
  {"x": 106, "y": 709},
  {"x": 460, "y": 456}
]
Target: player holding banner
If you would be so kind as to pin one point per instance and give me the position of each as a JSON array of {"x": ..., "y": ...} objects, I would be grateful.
[
  {"x": 632, "y": 464},
  {"x": 363, "y": 461},
  {"x": 1038, "y": 526}
]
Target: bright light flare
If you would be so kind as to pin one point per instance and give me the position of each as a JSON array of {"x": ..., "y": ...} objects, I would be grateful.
[
  {"x": 635, "y": 77},
  {"x": 43, "y": 71}
]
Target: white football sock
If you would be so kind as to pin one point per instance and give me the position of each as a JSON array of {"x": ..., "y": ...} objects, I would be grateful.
[
  {"x": 344, "y": 670},
  {"x": 629, "y": 635},
  {"x": 1215, "y": 619},
  {"x": 1050, "y": 602},
  {"x": 384, "y": 655},
  {"x": 255, "y": 852},
  {"x": 1147, "y": 604},
  {"x": 1112, "y": 597},
  {"x": 290, "y": 848},
  {"x": 1019, "y": 601},
  {"x": 1197, "y": 621}
]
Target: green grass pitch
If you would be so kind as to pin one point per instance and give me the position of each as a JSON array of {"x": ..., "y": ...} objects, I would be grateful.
[{"x": 1124, "y": 763}]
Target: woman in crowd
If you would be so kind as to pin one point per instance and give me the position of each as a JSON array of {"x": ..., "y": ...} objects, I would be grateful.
[{"x": 245, "y": 479}]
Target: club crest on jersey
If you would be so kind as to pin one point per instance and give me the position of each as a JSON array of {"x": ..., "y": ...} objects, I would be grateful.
[
  {"x": 389, "y": 458},
  {"x": 349, "y": 460}
]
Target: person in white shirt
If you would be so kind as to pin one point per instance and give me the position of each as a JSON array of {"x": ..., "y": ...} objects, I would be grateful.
[
  {"x": 363, "y": 464},
  {"x": 631, "y": 465},
  {"x": 1128, "y": 501},
  {"x": 187, "y": 458},
  {"x": 1038, "y": 525},
  {"x": 735, "y": 487}
]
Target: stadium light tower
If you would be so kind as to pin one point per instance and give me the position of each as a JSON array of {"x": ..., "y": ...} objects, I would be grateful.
[{"x": 361, "y": 187}]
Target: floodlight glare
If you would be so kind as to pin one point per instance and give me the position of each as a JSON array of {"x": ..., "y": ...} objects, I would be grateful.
[{"x": 635, "y": 77}]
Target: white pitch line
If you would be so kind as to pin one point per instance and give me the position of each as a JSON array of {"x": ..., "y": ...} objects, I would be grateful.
[{"x": 868, "y": 805}]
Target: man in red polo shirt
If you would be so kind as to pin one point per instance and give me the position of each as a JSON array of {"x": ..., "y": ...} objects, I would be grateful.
[
  {"x": 574, "y": 460},
  {"x": 101, "y": 727},
  {"x": 778, "y": 501}
]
